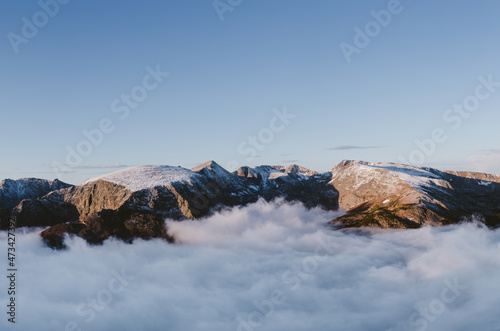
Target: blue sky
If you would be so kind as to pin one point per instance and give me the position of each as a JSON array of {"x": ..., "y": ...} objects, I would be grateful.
[{"x": 228, "y": 78}]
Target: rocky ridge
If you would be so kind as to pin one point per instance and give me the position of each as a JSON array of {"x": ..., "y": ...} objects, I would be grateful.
[
  {"x": 24, "y": 191},
  {"x": 134, "y": 202},
  {"x": 399, "y": 196}
]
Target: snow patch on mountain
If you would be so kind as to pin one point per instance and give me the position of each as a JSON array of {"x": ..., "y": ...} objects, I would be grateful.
[
  {"x": 416, "y": 177},
  {"x": 17, "y": 187},
  {"x": 267, "y": 172},
  {"x": 145, "y": 177}
]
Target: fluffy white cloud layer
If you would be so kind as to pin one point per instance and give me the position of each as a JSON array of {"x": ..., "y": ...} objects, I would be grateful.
[{"x": 267, "y": 266}]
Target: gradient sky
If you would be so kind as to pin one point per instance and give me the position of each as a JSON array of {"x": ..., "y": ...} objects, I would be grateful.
[{"x": 227, "y": 76}]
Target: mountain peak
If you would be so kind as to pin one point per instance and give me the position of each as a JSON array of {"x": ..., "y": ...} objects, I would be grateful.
[
  {"x": 211, "y": 165},
  {"x": 149, "y": 176},
  {"x": 295, "y": 168},
  {"x": 344, "y": 163},
  {"x": 215, "y": 172}
]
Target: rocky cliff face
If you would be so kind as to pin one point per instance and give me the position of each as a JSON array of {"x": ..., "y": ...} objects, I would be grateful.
[
  {"x": 293, "y": 183},
  {"x": 18, "y": 194},
  {"x": 12, "y": 192},
  {"x": 400, "y": 196}
]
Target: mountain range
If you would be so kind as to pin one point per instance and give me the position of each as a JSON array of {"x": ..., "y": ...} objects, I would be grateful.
[{"x": 134, "y": 202}]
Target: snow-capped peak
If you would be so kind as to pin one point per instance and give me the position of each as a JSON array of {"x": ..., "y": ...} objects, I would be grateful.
[
  {"x": 144, "y": 177},
  {"x": 416, "y": 177}
]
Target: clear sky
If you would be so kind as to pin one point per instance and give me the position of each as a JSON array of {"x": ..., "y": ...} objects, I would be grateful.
[{"x": 232, "y": 67}]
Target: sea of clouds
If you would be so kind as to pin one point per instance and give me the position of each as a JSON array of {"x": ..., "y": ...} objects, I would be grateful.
[{"x": 266, "y": 266}]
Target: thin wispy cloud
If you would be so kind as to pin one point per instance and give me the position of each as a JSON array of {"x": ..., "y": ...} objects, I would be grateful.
[
  {"x": 456, "y": 165},
  {"x": 102, "y": 166},
  {"x": 70, "y": 170},
  {"x": 492, "y": 150},
  {"x": 485, "y": 161},
  {"x": 349, "y": 147}
]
